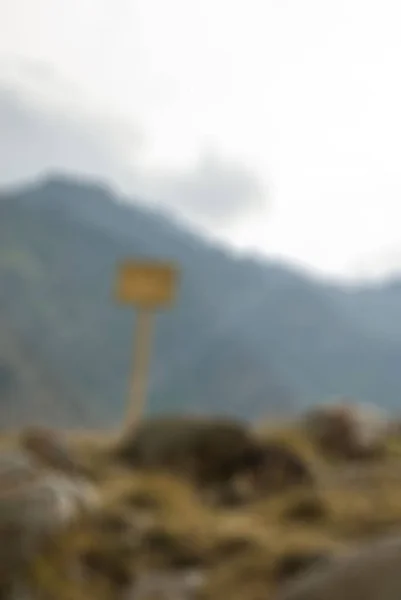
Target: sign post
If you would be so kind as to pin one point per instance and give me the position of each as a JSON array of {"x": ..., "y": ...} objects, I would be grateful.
[{"x": 148, "y": 286}]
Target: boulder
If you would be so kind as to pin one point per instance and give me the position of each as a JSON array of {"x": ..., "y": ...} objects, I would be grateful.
[
  {"x": 276, "y": 469},
  {"x": 51, "y": 449},
  {"x": 348, "y": 430},
  {"x": 283, "y": 468},
  {"x": 35, "y": 506},
  {"x": 160, "y": 585},
  {"x": 371, "y": 572},
  {"x": 221, "y": 457},
  {"x": 294, "y": 564},
  {"x": 206, "y": 451}
]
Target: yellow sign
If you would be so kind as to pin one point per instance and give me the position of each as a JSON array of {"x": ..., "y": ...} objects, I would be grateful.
[{"x": 146, "y": 283}]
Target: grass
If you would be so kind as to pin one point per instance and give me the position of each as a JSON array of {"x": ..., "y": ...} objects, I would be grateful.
[{"x": 153, "y": 521}]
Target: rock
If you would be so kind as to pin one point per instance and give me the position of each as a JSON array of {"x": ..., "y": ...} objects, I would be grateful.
[
  {"x": 50, "y": 449},
  {"x": 348, "y": 430},
  {"x": 293, "y": 564},
  {"x": 371, "y": 572},
  {"x": 34, "y": 506},
  {"x": 169, "y": 585},
  {"x": 207, "y": 451},
  {"x": 277, "y": 468},
  {"x": 283, "y": 468},
  {"x": 221, "y": 457}
]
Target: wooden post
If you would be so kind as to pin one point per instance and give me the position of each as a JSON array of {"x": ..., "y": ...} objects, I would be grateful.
[{"x": 140, "y": 367}]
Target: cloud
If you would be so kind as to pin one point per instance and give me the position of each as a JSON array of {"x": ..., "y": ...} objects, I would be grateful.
[
  {"x": 213, "y": 191},
  {"x": 379, "y": 264},
  {"x": 37, "y": 137},
  {"x": 43, "y": 129}
]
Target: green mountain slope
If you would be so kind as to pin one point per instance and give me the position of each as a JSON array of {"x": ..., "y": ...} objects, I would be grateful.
[
  {"x": 245, "y": 337},
  {"x": 59, "y": 245}
]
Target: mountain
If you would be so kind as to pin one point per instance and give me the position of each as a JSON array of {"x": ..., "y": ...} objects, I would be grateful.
[
  {"x": 377, "y": 308},
  {"x": 60, "y": 243},
  {"x": 245, "y": 337}
]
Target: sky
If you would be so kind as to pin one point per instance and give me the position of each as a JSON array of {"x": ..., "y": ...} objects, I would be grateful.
[{"x": 274, "y": 125}]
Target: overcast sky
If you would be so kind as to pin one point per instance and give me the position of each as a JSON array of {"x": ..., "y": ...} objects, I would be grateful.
[{"x": 274, "y": 124}]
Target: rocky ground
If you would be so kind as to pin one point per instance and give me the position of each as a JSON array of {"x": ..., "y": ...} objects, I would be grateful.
[{"x": 191, "y": 509}]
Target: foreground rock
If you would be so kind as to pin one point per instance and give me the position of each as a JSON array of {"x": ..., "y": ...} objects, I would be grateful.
[
  {"x": 295, "y": 564},
  {"x": 368, "y": 573},
  {"x": 35, "y": 506},
  {"x": 51, "y": 449},
  {"x": 206, "y": 451},
  {"x": 166, "y": 586},
  {"x": 282, "y": 468},
  {"x": 209, "y": 449},
  {"x": 221, "y": 456},
  {"x": 348, "y": 430}
]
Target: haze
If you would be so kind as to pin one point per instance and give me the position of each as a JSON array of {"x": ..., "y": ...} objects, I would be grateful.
[{"x": 274, "y": 125}]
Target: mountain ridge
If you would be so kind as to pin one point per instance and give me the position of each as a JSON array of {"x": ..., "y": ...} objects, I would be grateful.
[{"x": 244, "y": 338}]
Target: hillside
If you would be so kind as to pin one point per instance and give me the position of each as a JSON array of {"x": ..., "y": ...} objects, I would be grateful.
[
  {"x": 245, "y": 337},
  {"x": 165, "y": 514}
]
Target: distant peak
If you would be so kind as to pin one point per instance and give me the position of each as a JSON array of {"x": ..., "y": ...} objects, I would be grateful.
[{"x": 80, "y": 183}]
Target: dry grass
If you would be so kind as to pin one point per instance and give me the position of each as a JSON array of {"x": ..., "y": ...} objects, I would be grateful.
[{"x": 154, "y": 521}]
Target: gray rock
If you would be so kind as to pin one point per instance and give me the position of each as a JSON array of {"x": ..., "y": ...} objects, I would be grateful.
[
  {"x": 348, "y": 429},
  {"x": 371, "y": 572},
  {"x": 166, "y": 586},
  {"x": 51, "y": 449},
  {"x": 34, "y": 506}
]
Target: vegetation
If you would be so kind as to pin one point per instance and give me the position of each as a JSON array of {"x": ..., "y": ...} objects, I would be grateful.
[
  {"x": 155, "y": 527},
  {"x": 202, "y": 510}
]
